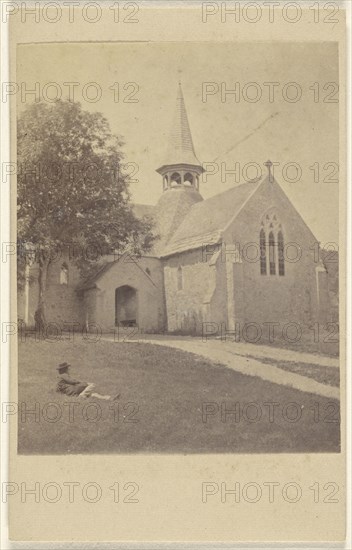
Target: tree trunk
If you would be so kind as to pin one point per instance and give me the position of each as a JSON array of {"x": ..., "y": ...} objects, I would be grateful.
[{"x": 40, "y": 314}]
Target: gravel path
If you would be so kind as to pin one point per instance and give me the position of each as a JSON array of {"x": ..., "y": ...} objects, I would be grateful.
[{"x": 233, "y": 355}]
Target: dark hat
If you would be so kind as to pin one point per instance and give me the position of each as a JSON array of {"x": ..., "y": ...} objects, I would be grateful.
[{"x": 63, "y": 366}]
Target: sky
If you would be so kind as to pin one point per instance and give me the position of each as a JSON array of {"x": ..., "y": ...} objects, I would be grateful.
[{"x": 225, "y": 132}]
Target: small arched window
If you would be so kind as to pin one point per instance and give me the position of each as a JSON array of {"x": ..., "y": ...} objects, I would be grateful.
[
  {"x": 147, "y": 270},
  {"x": 280, "y": 248},
  {"x": 272, "y": 253},
  {"x": 262, "y": 253},
  {"x": 188, "y": 179},
  {"x": 64, "y": 274},
  {"x": 179, "y": 278},
  {"x": 175, "y": 178}
]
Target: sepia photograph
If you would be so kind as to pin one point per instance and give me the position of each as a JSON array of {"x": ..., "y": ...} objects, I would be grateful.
[
  {"x": 178, "y": 248},
  {"x": 175, "y": 274}
]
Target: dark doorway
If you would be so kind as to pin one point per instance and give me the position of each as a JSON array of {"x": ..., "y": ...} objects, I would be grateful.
[{"x": 126, "y": 307}]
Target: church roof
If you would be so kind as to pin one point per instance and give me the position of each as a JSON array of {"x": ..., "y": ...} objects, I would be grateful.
[
  {"x": 202, "y": 222},
  {"x": 172, "y": 208},
  {"x": 207, "y": 219},
  {"x": 180, "y": 149}
]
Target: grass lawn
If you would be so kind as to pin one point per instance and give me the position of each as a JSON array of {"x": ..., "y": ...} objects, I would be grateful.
[
  {"x": 306, "y": 343},
  {"x": 165, "y": 394}
]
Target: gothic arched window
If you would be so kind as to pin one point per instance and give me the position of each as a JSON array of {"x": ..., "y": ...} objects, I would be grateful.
[
  {"x": 64, "y": 274},
  {"x": 179, "y": 278},
  {"x": 272, "y": 253},
  {"x": 262, "y": 253},
  {"x": 280, "y": 249}
]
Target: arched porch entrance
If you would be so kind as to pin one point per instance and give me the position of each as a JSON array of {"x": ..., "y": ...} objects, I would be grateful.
[{"x": 126, "y": 306}]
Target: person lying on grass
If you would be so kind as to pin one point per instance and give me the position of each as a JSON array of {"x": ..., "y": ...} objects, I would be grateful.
[{"x": 72, "y": 387}]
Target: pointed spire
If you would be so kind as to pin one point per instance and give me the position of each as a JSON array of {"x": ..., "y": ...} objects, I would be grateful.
[{"x": 180, "y": 149}]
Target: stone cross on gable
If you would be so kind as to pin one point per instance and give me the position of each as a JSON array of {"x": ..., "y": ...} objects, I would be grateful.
[{"x": 269, "y": 164}]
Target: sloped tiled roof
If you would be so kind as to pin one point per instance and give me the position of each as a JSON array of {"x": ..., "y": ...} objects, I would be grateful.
[
  {"x": 206, "y": 220},
  {"x": 173, "y": 206}
]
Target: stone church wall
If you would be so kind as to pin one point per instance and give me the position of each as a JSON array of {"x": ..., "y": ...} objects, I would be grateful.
[
  {"x": 96, "y": 306},
  {"x": 63, "y": 306},
  {"x": 90, "y": 307},
  {"x": 190, "y": 306},
  {"x": 331, "y": 263}
]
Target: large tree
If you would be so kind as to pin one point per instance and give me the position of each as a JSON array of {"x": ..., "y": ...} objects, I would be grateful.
[{"x": 71, "y": 190}]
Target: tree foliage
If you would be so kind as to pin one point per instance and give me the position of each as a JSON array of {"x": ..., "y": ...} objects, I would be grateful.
[{"x": 72, "y": 189}]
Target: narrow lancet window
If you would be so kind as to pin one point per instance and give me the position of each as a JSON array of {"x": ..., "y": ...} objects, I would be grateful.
[
  {"x": 280, "y": 247},
  {"x": 179, "y": 279},
  {"x": 272, "y": 253},
  {"x": 262, "y": 253}
]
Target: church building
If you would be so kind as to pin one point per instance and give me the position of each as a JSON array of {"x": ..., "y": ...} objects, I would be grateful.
[{"x": 243, "y": 256}]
